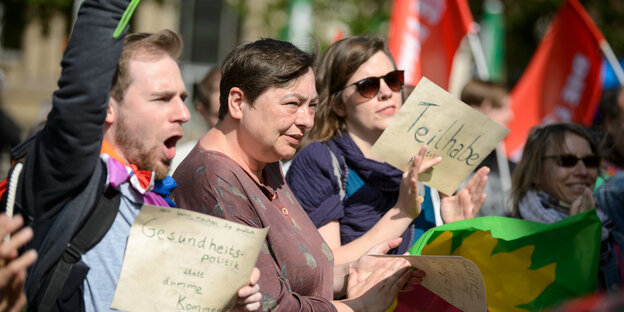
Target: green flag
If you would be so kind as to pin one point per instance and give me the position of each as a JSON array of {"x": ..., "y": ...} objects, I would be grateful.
[
  {"x": 493, "y": 38},
  {"x": 526, "y": 266},
  {"x": 300, "y": 24}
]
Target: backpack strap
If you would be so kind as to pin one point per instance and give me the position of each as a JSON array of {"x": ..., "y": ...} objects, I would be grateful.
[
  {"x": 94, "y": 229},
  {"x": 8, "y": 187},
  {"x": 11, "y": 191}
]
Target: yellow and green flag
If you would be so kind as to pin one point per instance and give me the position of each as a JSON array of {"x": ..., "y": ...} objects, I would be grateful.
[{"x": 526, "y": 266}]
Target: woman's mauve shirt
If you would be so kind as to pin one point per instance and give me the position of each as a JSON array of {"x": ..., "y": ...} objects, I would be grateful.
[{"x": 296, "y": 265}]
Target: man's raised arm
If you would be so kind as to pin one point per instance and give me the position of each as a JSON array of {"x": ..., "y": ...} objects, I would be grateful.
[{"x": 67, "y": 150}]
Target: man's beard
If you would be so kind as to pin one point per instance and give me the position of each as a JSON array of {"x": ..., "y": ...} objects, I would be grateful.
[{"x": 137, "y": 152}]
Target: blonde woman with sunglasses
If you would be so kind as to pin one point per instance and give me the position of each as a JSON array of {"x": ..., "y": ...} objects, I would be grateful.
[
  {"x": 352, "y": 197},
  {"x": 555, "y": 178}
]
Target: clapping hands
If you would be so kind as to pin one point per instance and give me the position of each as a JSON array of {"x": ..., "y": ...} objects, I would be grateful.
[
  {"x": 376, "y": 281},
  {"x": 467, "y": 202}
]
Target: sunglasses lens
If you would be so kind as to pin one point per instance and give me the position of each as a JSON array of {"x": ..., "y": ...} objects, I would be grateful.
[
  {"x": 571, "y": 161},
  {"x": 567, "y": 160},
  {"x": 394, "y": 80},
  {"x": 368, "y": 87},
  {"x": 591, "y": 161}
]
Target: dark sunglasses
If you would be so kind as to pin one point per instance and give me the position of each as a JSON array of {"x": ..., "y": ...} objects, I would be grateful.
[
  {"x": 568, "y": 160},
  {"x": 369, "y": 87}
]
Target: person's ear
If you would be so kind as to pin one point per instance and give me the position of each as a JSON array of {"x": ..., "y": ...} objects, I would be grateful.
[
  {"x": 236, "y": 101},
  {"x": 200, "y": 107},
  {"x": 111, "y": 111},
  {"x": 338, "y": 107}
]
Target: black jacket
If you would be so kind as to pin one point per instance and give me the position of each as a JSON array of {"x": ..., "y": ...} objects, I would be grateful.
[{"x": 63, "y": 160}]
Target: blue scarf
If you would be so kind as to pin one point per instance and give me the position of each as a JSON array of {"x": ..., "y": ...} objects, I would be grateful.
[{"x": 382, "y": 176}]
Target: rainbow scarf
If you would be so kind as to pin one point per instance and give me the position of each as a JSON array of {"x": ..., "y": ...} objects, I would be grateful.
[{"x": 142, "y": 181}]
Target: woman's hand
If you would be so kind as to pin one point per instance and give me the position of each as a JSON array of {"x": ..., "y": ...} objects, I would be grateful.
[
  {"x": 12, "y": 267},
  {"x": 378, "y": 290},
  {"x": 467, "y": 202},
  {"x": 375, "y": 281},
  {"x": 249, "y": 295},
  {"x": 583, "y": 203},
  {"x": 365, "y": 265},
  {"x": 408, "y": 193},
  {"x": 391, "y": 225}
]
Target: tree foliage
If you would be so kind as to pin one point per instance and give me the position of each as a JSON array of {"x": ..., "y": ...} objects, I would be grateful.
[
  {"x": 526, "y": 22},
  {"x": 17, "y": 13}
]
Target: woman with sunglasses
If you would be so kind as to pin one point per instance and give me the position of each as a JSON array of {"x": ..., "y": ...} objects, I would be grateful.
[
  {"x": 554, "y": 180},
  {"x": 352, "y": 197}
]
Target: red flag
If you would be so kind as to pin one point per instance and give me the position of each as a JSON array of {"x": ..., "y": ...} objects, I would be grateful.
[
  {"x": 421, "y": 299},
  {"x": 424, "y": 35},
  {"x": 562, "y": 81}
]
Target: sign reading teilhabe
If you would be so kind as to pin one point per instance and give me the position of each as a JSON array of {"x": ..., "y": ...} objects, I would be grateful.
[
  {"x": 180, "y": 260},
  {"x": 461, "y": 135}
]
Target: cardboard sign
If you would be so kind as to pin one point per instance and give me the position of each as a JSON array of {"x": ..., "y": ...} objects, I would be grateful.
[
  {"x": 461, "y": 135},
  {"x": 455, "y": 279},
  {"x": 180, "y": 260}
]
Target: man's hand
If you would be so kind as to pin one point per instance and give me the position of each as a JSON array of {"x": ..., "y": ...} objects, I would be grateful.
[{"x": 12, "y": 267}]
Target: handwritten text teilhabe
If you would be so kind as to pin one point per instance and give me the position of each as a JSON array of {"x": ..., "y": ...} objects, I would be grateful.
[{"x": 462, "y": 136}]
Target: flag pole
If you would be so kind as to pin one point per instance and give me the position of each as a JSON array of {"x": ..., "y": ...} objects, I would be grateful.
[
  {"x": 484, "y": 74},
  {"x": 505, "y": 175},
  {"x": 610, "y": 56},
  {"x": 477, "y": 52}
]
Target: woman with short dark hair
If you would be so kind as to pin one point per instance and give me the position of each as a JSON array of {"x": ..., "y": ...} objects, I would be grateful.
[{"x": 268, "y": 101}]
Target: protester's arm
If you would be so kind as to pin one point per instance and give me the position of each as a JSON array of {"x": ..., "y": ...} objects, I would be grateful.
[
  {"x": 610, "y": 198},
  {"x": 12, "y": 267},
  {"x": 467, "y": 202},
  {"x": 67, "y": 149},
  {"x": 391, "y": 225}
]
